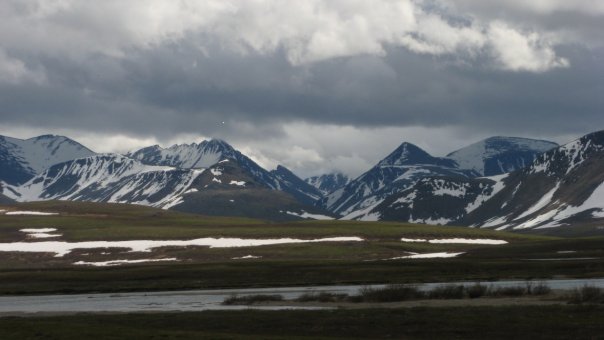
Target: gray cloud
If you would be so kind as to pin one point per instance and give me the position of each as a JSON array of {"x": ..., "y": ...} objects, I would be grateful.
[{"x": 142, "y": 71}]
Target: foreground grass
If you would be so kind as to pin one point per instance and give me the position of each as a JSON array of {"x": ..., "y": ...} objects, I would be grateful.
[{"x": 542, "y": 322}]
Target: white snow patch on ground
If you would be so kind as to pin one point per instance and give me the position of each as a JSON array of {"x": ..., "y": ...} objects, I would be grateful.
[
  {"x": 427, "y": 256},
  {"x": 30, "y": 213},
  {"x": 413, "y": 240},
  {"x": 190, "y": 191},
  {"x": 216, "y": 180},
  {"x": 239, "y": 183},
  {"x": 216, "y": 172},
  {"x": 304, "y": 214},
  {"x": 61, "y": 248},
  {"x": 38, "y": 230},
  {"x": 468, "y": 241},
  {"x": 43, "y": 235},
  {"x": 246, "y": 257},
  {"x": 120, "y": 262},
  {"x": 457, "y": 241}
]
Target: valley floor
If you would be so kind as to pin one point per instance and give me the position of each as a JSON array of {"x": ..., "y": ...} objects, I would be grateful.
[{"x": 380, "y": 258}]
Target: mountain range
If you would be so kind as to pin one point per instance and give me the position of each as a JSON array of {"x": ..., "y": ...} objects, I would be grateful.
[{"x": 507, "y": 183}]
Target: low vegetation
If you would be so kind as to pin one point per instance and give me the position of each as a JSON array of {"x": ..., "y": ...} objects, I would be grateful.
[
  {"x": 251, "y": 299},
  {"x": 399, "y": 292}
]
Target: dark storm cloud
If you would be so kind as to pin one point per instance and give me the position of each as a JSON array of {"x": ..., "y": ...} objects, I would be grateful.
[{"x": 172, "y": 89}]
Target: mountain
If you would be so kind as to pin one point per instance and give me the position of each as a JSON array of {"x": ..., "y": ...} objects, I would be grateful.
[
  {"x": 229, "y": 189},
  {"x": 562, "y": 188},
  {"x": 397, "y": 172},
  {"x": 436, "y": 200},
  {"x": 499, "y": 155},
  {"x": 294, "y": 185},
  {"x": 329, "y": 182},
  {"x": 187, "y": 156},
  {"x": 106, "y": 178},
  {"x": 21, "y": 159},
  {"x": 4, "y": 199},
  {"x": 209, "y": 153}
]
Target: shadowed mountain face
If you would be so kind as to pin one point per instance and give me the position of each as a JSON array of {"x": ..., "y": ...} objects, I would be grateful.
[
  {"x": 295, "y": 186},
  {"x": 209, "y": 153},
  {"x": 22, "y": 159},
  {"x": 562, "y": 187},
  {"x": 329, "y": 182},
  {"x": 187, "y": 177},
  {"x": 229, "y": 189},
  {"x": 408, "y": 165},
  {"x": 398, "y": 171},
  {"x": 105, "y": 178}
]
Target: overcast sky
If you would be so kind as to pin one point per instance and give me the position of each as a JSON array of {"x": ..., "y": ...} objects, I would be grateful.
[{"x": 316, "y": 85}]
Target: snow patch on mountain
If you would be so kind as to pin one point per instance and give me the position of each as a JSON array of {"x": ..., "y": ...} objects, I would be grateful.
[
  {"x": 188, "y": 156},
  {"x": 329, "y": 182},
  {"x": 497, "y": 155},
  {"x": 107, "y": 178}
]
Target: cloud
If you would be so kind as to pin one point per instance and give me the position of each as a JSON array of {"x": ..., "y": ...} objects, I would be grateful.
[
  {"x": 15, "y": 71},
  {"x": 308, "y": 31},
  {"x": 522, "y": 52},
  {"x": 352, "y": 75}
]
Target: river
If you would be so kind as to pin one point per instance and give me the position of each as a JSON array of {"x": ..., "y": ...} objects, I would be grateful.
[{"x": 200, "y": 300}]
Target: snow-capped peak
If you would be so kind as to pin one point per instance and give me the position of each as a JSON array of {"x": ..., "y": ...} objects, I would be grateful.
[
  {"x": 497, "y": 155},
  {"x": 194, "y": 155},
  {"x": 410, "y": 154},
  {"x": 33, "y": 155}
]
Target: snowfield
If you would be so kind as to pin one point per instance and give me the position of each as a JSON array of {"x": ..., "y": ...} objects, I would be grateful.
[
  {"x": 120, "y": 262},
  {"x": 30, "y": 213},
  {"x": 457, "y": 241},
  {"x": 427, "y": 256},
  {"x": 61, "y": 248},
  {"x": 304, "y": 214}
]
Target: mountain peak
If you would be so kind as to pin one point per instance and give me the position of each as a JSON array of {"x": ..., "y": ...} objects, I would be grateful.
[
  {"x": 23, "y": 158},
  {"x": 47, "y": 136},
  {"x": 410, "y": 154},
  {"x": 188, "y": 156},
  {"x": 217, "y": 143},
  {"x": 500, "y": 154},
  {"x": 328, "y": 183}
]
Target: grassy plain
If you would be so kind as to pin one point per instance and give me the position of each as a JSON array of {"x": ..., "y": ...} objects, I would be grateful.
[{"x": 525, "y": 257}]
